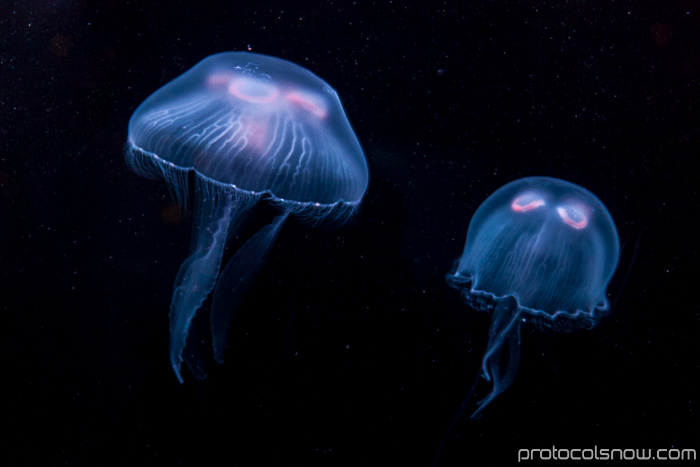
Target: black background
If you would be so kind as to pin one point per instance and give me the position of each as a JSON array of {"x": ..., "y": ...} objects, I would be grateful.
[{"x": 350, "y": 347}]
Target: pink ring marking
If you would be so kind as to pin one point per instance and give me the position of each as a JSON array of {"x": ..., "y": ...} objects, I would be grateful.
[
  {"x": 566, "y": 212},
  {"x": 308, "y": 103},
  {"x": 527, "y": 202}
]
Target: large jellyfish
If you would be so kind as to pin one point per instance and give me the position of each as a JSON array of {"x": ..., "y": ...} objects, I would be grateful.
[
  {"x": 539, "y": 250},
  {"x": 249, "y": 127}
]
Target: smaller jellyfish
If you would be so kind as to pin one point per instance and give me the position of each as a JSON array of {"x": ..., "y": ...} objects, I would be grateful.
[{"x": 539, "y": 250}]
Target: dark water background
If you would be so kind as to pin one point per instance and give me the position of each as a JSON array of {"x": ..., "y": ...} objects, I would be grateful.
[{"x": 350, "y": 348}]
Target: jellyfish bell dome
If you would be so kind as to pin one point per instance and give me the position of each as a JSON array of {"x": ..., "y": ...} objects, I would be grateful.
[
  {"x": 254, "y": 122},
  {"x": 550, "y": 244}
]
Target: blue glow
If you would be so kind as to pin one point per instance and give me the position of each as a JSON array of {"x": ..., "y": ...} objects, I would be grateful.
[
  {"x": 258, "y": 123},
  {"x": 250, "y": 127},
  {"x": 541, "y": 250}
]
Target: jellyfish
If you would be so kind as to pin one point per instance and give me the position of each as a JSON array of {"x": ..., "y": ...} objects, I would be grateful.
[
  {"x": 539, "y": 250},
  {"x": 245, "y": 127}
]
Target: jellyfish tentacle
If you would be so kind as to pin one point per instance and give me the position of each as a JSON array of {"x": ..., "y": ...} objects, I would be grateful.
[
  {"x": 502, "y": 357},
  {"x": 235, "y": 280},
  {"x": 197, "y": 275},
  {"x": 455, "y": 418}
]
